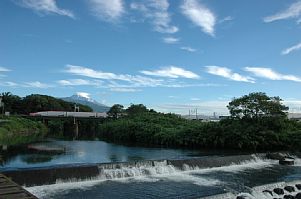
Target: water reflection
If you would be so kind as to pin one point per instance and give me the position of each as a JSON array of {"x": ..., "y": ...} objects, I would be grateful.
[
  {"x": 36, "y": 158},
  {"x": 78, "y": 152}
]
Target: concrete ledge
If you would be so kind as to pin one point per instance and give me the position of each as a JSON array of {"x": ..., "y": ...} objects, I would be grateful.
[{"x": 40, "y": 176}]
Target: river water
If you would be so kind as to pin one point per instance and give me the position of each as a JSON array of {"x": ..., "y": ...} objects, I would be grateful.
[{"x": 156, "y": 181}]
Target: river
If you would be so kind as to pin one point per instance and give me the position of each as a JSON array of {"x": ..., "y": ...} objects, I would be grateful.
[{"x": 157, "y": 181}]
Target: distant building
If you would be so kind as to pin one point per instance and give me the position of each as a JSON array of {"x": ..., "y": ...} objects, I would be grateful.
[
  {"x": 294, "y": 116},
  {"x": 223, "y": 117},
  {"x": 203, "y": 118}
]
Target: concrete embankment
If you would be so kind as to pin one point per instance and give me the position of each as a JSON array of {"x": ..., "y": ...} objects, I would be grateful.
[{"x": 52, "y": 175}]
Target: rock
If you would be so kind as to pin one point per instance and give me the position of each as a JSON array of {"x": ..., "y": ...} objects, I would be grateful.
[
  {"x": 240, "y": 197},
  {"x": 298, "y": 186},
  {"x": 275, "y": 156},
  {"x": 298, "y": 196},
  {"x": 289, "y": 188},
  {"x": 268, "y": 191},
  {"x": 287, "y": 161},
  {"x": 288, "y": 197},
  {"x": 279, "y": 191}
]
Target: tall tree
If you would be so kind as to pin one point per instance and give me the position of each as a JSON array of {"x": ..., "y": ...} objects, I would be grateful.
[
  {"x": 115, "y": 111},
  {"x": 12, "y": 103},
  {"x": 255, "y": 105},
  {"x": 136, "y": 109}
]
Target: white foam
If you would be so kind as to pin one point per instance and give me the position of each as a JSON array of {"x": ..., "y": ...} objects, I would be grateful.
[
  {"x": 297, "y": 162},
  {"x": 257, "y": 192},
  {"x": 147, "y": 173},
  {"x": 256, "y": 163}
]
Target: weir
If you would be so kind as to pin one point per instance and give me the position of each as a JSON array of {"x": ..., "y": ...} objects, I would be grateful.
[{"x": 104, "y": 171}]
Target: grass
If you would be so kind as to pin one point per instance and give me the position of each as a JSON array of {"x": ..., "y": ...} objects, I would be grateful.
[{"x": 17, "y": 131}]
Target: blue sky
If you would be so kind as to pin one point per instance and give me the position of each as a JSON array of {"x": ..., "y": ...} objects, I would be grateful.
[{"x": 170, "y": 55}]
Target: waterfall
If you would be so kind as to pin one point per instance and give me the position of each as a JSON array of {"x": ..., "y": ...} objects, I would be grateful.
[
  {"x": 127, "y": 170},
  {"x": 109, "y": 171}
]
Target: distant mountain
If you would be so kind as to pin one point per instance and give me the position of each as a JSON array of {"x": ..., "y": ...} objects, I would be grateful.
[{"x": 83, "y": 98}]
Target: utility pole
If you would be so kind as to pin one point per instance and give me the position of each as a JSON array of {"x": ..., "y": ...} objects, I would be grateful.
[
  {"x": 2, "y": 105},
  {"x": 76, "y": 108}
]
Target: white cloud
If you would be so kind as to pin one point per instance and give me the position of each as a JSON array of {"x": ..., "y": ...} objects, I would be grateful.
[
  {"x": 79, "y": 82},
  {"x": 9, "y": 84},
  {"x": 293, "y": 11},
  {"x": 228, "y": 18},
  {"x": 157, "y": 12},
  {"x": 117, "y": 81},
  {"x": 166, "y": 84},
  {"x": 189, "y": 49},
  {"x": 199, "y": 15},
  {"x": 136, "y": 80},
  {"x": 185, "y": 85},
  {"x": 126, "y": 90},
  {"x": 110, "y": 11},
  {"x": 195, "y": 99},
  {"x": 268, "y": 73},
  {"x": 291, "y": 49},
  {"x": 227, "y": 73},
  {"x": 37, "y": 84},
  {"x": 171, "y": 40},
  {"x": 172, "y": 72},
  {"x": 46, "y": 7},
  {"x": 2, "y": 69}
]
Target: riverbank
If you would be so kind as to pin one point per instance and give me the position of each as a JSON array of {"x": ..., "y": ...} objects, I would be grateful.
[
  {"x": 101, "y": 169},
  {"x": 168, "y": 130},
  {"x": 16, "y": 131}
]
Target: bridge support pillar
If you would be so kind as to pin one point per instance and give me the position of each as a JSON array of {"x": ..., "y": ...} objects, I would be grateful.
[
  {"x": 45, "y": 121},
  {"x": 76, "y": 132}
]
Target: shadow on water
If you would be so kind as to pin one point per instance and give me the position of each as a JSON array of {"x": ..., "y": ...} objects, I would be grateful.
[
  {"x": 37, "y": 158},
  {"x": 26, "y": 154}
]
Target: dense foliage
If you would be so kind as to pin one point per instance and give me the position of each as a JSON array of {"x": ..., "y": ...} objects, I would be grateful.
[
  {"x": 257, "y": 122},
  {"x": 34, "y": 103},
  {"x": 16, "y": 131},
  {"x": 151, "y": 128},
  {"x": 257, "y": 105}
]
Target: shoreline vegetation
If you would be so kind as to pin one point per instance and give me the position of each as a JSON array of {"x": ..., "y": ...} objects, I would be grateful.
[
  {"x": 256, "y": 122},
  {"x": 16, "y": 131}
]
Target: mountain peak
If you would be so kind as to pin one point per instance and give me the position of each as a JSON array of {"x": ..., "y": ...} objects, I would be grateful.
[
  {"x": 85, "y": 99},
  {"x": 83, "y": 94}
]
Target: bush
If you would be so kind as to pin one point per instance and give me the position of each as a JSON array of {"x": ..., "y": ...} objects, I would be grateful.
[{"x": 16, "y": 131}]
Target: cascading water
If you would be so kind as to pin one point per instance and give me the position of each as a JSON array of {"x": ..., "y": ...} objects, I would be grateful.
[
  {"x": 192, "y": 175},
  {"x": 122, "y": 170}
]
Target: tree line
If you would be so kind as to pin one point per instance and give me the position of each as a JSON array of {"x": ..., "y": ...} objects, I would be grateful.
[
  {"x": 256, "y": 122},
  {"x": 35, "y": 103}
]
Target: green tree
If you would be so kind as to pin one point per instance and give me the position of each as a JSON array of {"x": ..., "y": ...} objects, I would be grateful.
[
  {"x": 257, "y": 105},
  {"x": 136, "y": 109},
  {"x": 115, "y": 111},
  {"x": 12, "y": 103},
  {"x": 35, "y": 103}
]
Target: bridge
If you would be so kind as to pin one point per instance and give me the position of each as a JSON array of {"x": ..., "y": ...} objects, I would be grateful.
[
  {"x": 45, "y": 116},
  {"x": 11, "y": 190}
]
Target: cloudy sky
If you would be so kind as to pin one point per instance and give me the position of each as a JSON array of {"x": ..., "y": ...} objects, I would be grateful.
[{"x": 172, "y": 55}]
